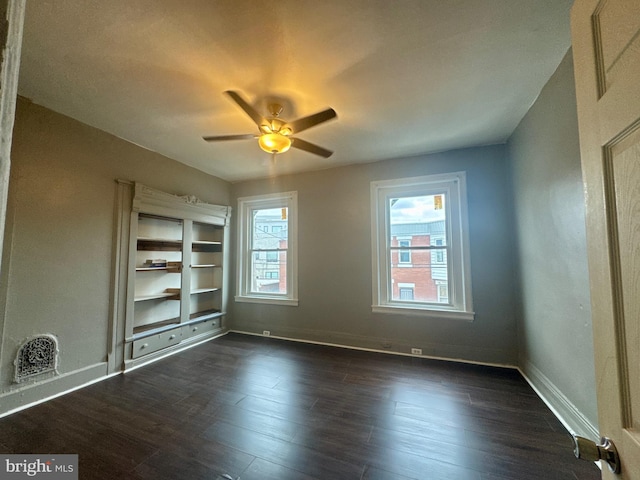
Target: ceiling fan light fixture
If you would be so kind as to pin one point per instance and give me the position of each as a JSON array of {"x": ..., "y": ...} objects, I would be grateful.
[
  {"x": 276, "y": 133},
  {"x": 274, "y": 143}
]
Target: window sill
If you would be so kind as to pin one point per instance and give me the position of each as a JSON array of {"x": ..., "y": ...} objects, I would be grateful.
[
  {"x": 292, "y": 302},
  {"x": 425, "y": 312}
]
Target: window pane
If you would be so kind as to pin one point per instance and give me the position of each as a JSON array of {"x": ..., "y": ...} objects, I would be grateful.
[
  {"x": 270, "y": 228},
  {"x": 411, "y": 218},
  {"x": 272, "y": 256},
  {"x": 268, "y": 276},
  {"x": 418, "y": 221},
  {"x": 270, "y": 233},
  {"x": 430, "y": 282},
  {"x": 406, "y": 293}
]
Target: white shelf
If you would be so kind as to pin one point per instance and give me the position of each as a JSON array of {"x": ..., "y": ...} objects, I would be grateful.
[
  {"x": 155, "y": 296},
  {"x": 203, "y": 290},
  {"x": 160, "y": 240},
  {"x": 175, "y": 269}
]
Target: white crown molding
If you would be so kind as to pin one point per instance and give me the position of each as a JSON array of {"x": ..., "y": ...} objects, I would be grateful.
[{"x": 155, "y": 202}]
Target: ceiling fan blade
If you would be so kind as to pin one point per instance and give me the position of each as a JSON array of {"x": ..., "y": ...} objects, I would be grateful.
[
  {"x": 307, "y": 122},
  {"x": 310, "y": 147},
  {"x": 248, "y": 109},
  {"x": 217, "y": 138}
]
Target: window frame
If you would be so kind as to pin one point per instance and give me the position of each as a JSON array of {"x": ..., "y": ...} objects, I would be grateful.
[
  {"x": 453, "y": 185},
  {"x": 246, "y": 207}
]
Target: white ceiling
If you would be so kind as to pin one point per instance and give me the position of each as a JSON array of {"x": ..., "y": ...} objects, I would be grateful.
[{"x": 406, "y": 77}]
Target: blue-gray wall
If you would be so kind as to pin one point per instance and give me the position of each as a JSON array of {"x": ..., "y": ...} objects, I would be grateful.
[
  {"x": 554, "y": 317},
  {"x": 335, "y": 275}
]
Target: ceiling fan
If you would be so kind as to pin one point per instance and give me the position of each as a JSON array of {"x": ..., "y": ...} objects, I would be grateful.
[{"x": 276, "y": 134}]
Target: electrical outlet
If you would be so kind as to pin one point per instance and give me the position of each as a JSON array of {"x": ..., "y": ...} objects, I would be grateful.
[
  {"x": 266, "y": 333},
  {"x": 416, "y": 351}
]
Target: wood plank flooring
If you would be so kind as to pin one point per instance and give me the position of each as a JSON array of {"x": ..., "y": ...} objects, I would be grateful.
[{"x": 265, "y": 409}]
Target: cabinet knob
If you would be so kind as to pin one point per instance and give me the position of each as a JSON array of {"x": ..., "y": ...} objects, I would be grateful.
[
  {"x": 144, "y": 345},
  {"x": 172, "y": 337},
  {"x": 195, "y": 329}
]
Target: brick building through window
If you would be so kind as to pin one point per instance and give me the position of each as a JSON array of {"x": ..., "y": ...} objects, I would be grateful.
[{"x": 419, "y": 262}]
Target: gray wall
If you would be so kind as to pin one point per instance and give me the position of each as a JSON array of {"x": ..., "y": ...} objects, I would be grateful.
[
  {"x": 554, "y": 317},
  {"x": 335, "y": 262},
  {"x": 56, "y": 275}
]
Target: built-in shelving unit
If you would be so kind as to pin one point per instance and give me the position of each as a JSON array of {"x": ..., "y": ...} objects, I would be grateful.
[{"x": 177, "y": 245}]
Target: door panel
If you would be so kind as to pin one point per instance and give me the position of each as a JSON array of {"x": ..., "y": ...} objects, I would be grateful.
[
  {"x": 616, "y": 24},
  {"x": 606, "y": 49},
  {"x": 624, "y": 183}
]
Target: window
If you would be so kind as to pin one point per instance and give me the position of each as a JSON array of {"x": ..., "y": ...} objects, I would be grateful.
[
  {"x": 272, "y": 256},
  {"x": 404, "y": 256},
  {"x": 443, "y": 292},
  {"x": 267, "y": 241},
  {"x": 438, "y": 255},
  {"x": 406, "y": 292},
  {"x": 420, "y": 246}
]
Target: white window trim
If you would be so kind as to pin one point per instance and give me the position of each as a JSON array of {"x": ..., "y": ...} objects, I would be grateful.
[
  {"x": 461, "y": 307},
  {"x": 245, "y": 206}
]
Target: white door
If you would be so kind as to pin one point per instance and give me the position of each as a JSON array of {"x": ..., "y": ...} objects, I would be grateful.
[{"x": 606, "y": 49}]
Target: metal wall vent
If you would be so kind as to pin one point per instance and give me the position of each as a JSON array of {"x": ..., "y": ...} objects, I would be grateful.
[{"x": 37, "y": 356}]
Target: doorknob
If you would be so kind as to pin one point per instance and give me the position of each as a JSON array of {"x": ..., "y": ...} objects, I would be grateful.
[{"x": 586, "y": 449}]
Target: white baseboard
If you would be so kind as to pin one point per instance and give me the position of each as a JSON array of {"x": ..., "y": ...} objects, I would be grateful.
[
  {"x": 33, "y": 393},
  {"x": 365, "y": 349},
  {"x": 568, "y": 414},
  {"x": 354, "y": 342}
]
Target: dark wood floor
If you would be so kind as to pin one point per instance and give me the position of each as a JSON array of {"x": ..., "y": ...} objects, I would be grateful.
[{"x": 264, "y": 409}]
